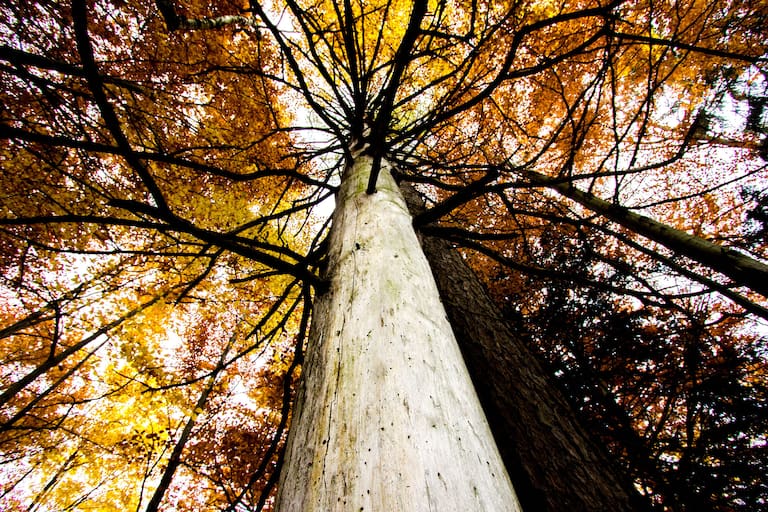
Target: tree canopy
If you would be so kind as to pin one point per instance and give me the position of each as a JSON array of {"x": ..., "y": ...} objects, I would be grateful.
[{"x": 168, "y": 173}]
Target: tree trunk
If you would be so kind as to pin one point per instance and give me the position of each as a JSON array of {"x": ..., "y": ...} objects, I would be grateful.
[
  {"x": 386, "y": 419},
  {"x": 553, "y": 463}
]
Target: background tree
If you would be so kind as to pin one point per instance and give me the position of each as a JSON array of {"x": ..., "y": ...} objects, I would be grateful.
[{"x": 167, "y": 175}]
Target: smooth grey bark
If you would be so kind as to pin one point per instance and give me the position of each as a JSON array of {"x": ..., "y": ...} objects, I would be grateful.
[
  {"x": 744, "y": 270},
  {"x": 386, "y": 418},
  {"x": 553, "y": 462}
]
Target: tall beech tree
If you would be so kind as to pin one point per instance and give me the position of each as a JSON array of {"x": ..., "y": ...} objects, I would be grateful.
[{"x": 202, "y": 225}]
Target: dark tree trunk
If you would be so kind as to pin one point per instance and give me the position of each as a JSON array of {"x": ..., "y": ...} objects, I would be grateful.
[{"x": 553, "y": 463}]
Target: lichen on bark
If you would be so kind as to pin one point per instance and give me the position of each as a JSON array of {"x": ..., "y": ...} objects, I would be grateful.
[{"x": 386, "y": 418}]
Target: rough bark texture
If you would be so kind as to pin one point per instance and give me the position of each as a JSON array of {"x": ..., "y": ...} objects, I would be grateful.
[
  {"x": 386, "y": 419},
  {"x": 552, "y": 461},
  {"x": 174, "y": 22}
]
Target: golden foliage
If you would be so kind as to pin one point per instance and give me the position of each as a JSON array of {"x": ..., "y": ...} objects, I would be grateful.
[{"x": 163, "y": 200}]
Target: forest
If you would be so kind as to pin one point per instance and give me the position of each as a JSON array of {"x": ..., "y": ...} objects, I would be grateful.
[{"x": 587, "y": 179}]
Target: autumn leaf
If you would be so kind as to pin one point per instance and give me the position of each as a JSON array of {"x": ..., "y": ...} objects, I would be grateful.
[{"x": 168, "y": 177}]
